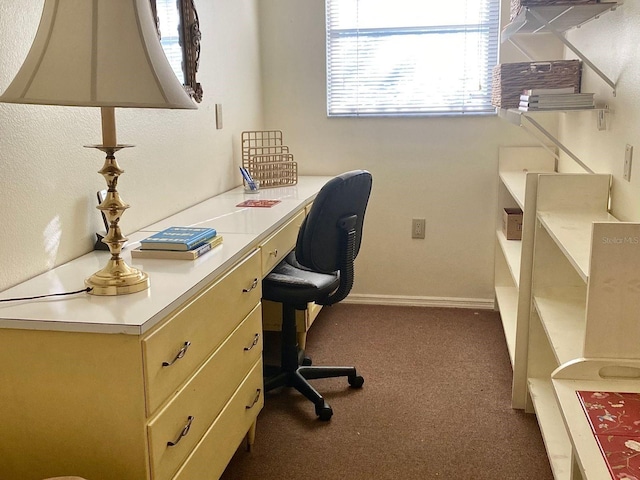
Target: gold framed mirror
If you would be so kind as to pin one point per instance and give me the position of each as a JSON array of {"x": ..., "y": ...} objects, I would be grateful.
[{"x": 179, "y": 32}]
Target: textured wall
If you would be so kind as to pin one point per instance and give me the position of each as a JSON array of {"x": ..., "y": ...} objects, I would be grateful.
[
  {"x": 441, "y": 169},
  {"x": 611, "y": 43}
]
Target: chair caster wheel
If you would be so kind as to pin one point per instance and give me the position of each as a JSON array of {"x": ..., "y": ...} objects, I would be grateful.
[
  {"x": 306, "y": 361},
  {"x": 324, "y": 412},
  {"x": 356, "y": 381}
]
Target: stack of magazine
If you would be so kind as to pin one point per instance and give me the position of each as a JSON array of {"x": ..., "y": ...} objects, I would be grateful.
[
  {"x": 554, "y": 99},
  {"x": 180, "y": 243}
]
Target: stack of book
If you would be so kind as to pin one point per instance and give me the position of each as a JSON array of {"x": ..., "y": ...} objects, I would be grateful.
[
  {"x": 181, "y": 243},
  {"x": 554, "y": 99}
]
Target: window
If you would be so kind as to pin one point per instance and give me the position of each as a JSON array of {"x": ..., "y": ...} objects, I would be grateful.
[
  {"x": 410, "y": 57},
  {"x": 169, "y": 19}
]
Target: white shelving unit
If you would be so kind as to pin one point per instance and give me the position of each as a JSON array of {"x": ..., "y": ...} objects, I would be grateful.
[
  {"x": 555, "y": 20},
  {"x": 518, "y": 173},
  {"x": 585, "y": 296},
  {"x": 577, "y": 320}
]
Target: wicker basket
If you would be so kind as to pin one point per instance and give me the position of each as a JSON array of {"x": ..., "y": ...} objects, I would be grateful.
[
  {"x": 268, "y": 159},
  {"x": 509, "y": 79},
  {"x": 518, "y": 5},
  {"x": 259, "y": 139},
  {"x": 273, "y": 170}
]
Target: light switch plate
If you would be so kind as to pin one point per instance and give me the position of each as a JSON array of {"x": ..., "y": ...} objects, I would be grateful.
[{"x": 219, "y": 116}]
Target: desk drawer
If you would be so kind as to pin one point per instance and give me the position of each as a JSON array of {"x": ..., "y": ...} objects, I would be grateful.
[
  {"x": 272, "y": 316},
  {"x": 200, "y": 401},
  {"x": 213, "y": 453},
  {"x": 278, "y": 245},
  {"x": 204, "y": 322}
]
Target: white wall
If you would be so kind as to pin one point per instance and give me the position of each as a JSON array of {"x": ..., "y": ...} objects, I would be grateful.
[
  {"x": 441, "y": 169},
  {"x": 48, "y": 180},
  {"x": 611, "y": 43}
]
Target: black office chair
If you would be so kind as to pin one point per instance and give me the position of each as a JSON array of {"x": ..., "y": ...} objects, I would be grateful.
[{"x": 319, "y": 270}]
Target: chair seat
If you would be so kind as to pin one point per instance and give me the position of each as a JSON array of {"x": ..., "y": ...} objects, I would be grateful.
[{"x": 290, "y": 282}]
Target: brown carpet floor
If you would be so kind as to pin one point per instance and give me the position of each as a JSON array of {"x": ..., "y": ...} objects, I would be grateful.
[{"x": 435, "y": 404}]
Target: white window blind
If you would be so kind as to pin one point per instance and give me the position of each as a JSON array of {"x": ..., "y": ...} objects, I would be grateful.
[{"x": 410, "y": 57}]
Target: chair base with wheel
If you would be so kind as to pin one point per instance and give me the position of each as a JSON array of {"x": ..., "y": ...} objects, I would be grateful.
[{"x": 295, "y": 369}]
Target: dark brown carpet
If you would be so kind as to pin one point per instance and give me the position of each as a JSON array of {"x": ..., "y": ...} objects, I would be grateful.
[{"x": 435, "y": 404}]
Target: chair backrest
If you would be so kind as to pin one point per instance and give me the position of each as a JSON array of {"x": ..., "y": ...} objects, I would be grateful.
[{"x": 329, "y": 238}]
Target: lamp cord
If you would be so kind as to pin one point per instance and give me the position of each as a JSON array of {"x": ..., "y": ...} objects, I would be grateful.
[{"x": 87, "y": 290}]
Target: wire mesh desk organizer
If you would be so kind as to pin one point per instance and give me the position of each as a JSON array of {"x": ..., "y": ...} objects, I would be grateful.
[{"x": 268, "y": 159}]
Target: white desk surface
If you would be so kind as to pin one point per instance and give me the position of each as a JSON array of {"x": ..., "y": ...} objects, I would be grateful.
[{"x": 172, "y": 281}]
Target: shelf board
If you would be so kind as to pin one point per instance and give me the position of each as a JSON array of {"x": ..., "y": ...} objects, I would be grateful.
[
  {"x": 515, "y": 115},
  {"x": 515, "y": 183},
  {"x": 563, "y": 317},
  {"x": 559, "y": 17},
  {"x": 507, "y": 298},
  {"x": 555, "y": 436},
  {"x": 571, "y": 231},
  {"x": 512, "y": 250}
]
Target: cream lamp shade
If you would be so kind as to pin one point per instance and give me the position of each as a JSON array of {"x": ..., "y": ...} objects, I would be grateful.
[{"x": 101, "y": 53}]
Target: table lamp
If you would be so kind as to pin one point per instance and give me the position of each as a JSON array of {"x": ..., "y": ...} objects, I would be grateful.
[{"x": 101, "y": 53}]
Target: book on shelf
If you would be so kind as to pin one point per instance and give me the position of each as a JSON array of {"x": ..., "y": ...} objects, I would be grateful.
[
  {"x": 178, "y": 238},
  {"x": 178, "y": 254},
  {"x": 569, "y": 97},
  {"x": 548, "y": 91},
  {"x": 556, "y": 101},
  {"x": 538, "y": 108}
]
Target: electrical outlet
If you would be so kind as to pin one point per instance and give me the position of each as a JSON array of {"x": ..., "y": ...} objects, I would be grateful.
[
  {"x": 417, "y": 227},
  {"x": 628, "y": 155}
]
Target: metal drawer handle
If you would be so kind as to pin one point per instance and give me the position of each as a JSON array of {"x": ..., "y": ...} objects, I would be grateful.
[
  {"x": 253, "y": 285},
  {"x": 180, "y": 354},
  {"x": 256, "y": 339},
  {"x": 255, "y": 400},
  {"x": 183, "y": 433},
  {"x": 274, "y": 253}
]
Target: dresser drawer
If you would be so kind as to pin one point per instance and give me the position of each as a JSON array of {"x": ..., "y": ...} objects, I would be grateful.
[
  {"x": 278, "y": 245},
  {"x": 188, "y": 416},
  {"x": 174, "y": 351},
  {"x": 212, "y": 454}
]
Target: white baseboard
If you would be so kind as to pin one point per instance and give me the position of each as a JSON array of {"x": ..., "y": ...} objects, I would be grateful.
[{"x": 399, "y": 300}]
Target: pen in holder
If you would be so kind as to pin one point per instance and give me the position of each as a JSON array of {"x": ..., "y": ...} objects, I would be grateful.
[{"x": 251, "y": 186}]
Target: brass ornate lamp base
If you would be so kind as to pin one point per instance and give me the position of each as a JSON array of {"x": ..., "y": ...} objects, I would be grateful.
[{"x": 116, "y": 278}]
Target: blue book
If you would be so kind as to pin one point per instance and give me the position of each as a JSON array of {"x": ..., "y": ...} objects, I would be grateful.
[{"x": 178, "y": 238}]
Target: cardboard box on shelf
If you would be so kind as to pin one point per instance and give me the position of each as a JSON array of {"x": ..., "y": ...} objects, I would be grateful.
[{"x": 512, "y": 223}]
